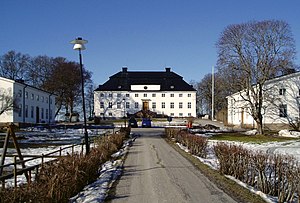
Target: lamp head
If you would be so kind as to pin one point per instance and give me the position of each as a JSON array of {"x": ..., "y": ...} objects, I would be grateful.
[{"x": 79, "y": 43}]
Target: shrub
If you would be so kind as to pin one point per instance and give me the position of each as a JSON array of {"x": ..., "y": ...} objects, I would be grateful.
[
  {"x": 196, "y": 145},
  {"x": 60, "y": 180},
  {"x": 276, "y": 175}
]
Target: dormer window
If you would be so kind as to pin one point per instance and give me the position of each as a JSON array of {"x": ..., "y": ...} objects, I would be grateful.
[
  {"x": 145, "y": 87},
  {"x": 119, "y": 87},
  {"x": 172, "y": 86}
]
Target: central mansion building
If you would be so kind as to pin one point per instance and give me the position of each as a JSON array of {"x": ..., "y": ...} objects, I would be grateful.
[{"x": 162, "y": 92}]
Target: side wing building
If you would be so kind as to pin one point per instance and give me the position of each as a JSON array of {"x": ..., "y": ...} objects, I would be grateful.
[
  {"x": 30, "y": 104},
  {"x": 281, "y": 104}
]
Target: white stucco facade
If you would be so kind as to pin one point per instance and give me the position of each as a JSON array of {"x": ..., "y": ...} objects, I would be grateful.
[
  {"x": 32, "y": 105},
  {"x": 128, "y": 92},
  {"x": 280, "y": 104},
  {"x": 115, "y": 104}
]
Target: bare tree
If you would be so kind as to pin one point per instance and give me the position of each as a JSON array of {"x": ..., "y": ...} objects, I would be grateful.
[
  {"x": 221, "y": 90},
  {"x": 7, "y": 101},
  {"x": 65, "y": 82},
  {"x": 253, "y": 53},
  {"x": 39, "y": 70},
  {"x": 14, "y": 65}
]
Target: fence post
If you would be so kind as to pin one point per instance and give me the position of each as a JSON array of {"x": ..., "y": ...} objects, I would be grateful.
[
  {"x": 15, "y": 171},
  {"x": 29, "y": 178},
  {"x": 3, "y": 184},
  {"x": 36, "y": 172},
  {"x": 42, "y": 160}
]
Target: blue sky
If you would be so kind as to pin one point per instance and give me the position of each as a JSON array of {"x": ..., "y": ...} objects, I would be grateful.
[{"x": 139, "y": 34}]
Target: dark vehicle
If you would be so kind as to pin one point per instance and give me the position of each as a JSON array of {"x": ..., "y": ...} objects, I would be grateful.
[
  {"x": 146, "y": 123},
  {"x": 132, "y": 122}
]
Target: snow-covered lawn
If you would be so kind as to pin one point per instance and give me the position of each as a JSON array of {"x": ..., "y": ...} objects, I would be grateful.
[{"x": 291, "y": 148}]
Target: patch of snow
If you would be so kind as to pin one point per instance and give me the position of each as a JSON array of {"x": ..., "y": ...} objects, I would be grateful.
[
  {"x": 251, "y": 132},
  {"x": 288, "y": 133}
]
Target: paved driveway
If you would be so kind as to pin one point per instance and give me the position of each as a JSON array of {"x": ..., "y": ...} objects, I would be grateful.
[{"x": 155, "y": 172}]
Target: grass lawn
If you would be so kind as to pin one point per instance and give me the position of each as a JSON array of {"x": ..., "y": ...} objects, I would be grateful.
[{"x": 250, "y": 138}]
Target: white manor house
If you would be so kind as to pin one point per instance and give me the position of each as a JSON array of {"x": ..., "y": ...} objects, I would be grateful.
[{"x": 128, "y": 92}]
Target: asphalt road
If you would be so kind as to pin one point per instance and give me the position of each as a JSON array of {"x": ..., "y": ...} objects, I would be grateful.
[{"x": 155, "y": 172}]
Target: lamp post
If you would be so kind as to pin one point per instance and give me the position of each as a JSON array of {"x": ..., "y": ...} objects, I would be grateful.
[
  {"x": 79, "y": 45},
  {"x": 298, "y": 105}
]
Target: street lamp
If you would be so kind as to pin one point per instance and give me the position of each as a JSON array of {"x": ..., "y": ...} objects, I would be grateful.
[
  {"x": 79, "y": 45},
  {"x": 298, "y": 105}
]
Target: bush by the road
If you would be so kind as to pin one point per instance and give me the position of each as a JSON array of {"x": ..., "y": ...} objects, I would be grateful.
[
  {"x": 60, "y": 180},
  {"x": 275, "y": 175},
  {"x": 196, "y": 145}
]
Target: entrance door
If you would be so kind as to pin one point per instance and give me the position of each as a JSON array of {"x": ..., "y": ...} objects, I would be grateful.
[
  {"x": 145, "y": 105},
  {"x": 242, "y": 118},
  {"x": 37, "y": 115}
]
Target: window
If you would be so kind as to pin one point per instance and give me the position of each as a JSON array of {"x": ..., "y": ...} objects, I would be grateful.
[
  {"x": 50, "y": 101},
  {"x": 26, "y": 111},
  {"x": 283, "y": 110},
  {"x": 282, "y": 91},
  {"x": 127, "y": 105},
  {"x": 189, "y": 95},
  {"x": 163, "y": 105},
  {"x": 127, "y": 95},
  {"x": 32, "y": 112},
  {"x": 20, "y": 93},
  {"x": 42, "y": 98},
  {"x": 110, "y": 95},
  {"x": 180, "y": 95},
  {"x": 47, "y": 114},
  {"x": 153, "y": 95},
  {"x": 172, "y": 95},
  {"x": 172, "y": 105},
  {"x": 110, "y": 114},
  {"x": 32, "y": 96},
  {"x": 136, "y": 95},
  {"x": 118, "y": 105},
  {"x": 47, "y": 100},
  {"x": 101, "y": 114},
  {"x": 189, "y": 105},
  {"x": 180, "y": 114},
  {"x": 172, "y": 114},
  {"x": 101, "y": 94},
  {"x": 101, "y": 105},
  {"x": 119, "y": 95},
  {"x": 163, "y": 95},
  {"x": 180, "y": 105},
  {"x": 50, "y": 114},
  {"x": 110, "y": 105},
  {"x": 145, "y": 95},
  {"x": 37, "y": 97},
  {"x": 26, "y": 95},
  {"x": 189, "y": 114},
  {"x": 153, "y": 105},
  {"x": 136, "y": 105},
  {"x": 20, "y": 110},
  {"x": 42, "y": 113}
]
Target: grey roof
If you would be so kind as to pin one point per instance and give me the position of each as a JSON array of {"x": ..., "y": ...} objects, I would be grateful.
[{"x": 168, "y": 81}]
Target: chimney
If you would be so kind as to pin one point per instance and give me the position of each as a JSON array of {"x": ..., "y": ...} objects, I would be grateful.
[
  {"x": 168, "y": 69},
  {"x": 124, "y": 69}
]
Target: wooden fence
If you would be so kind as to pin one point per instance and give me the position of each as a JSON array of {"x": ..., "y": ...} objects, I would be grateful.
[{"x": 28, "y": 170}]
